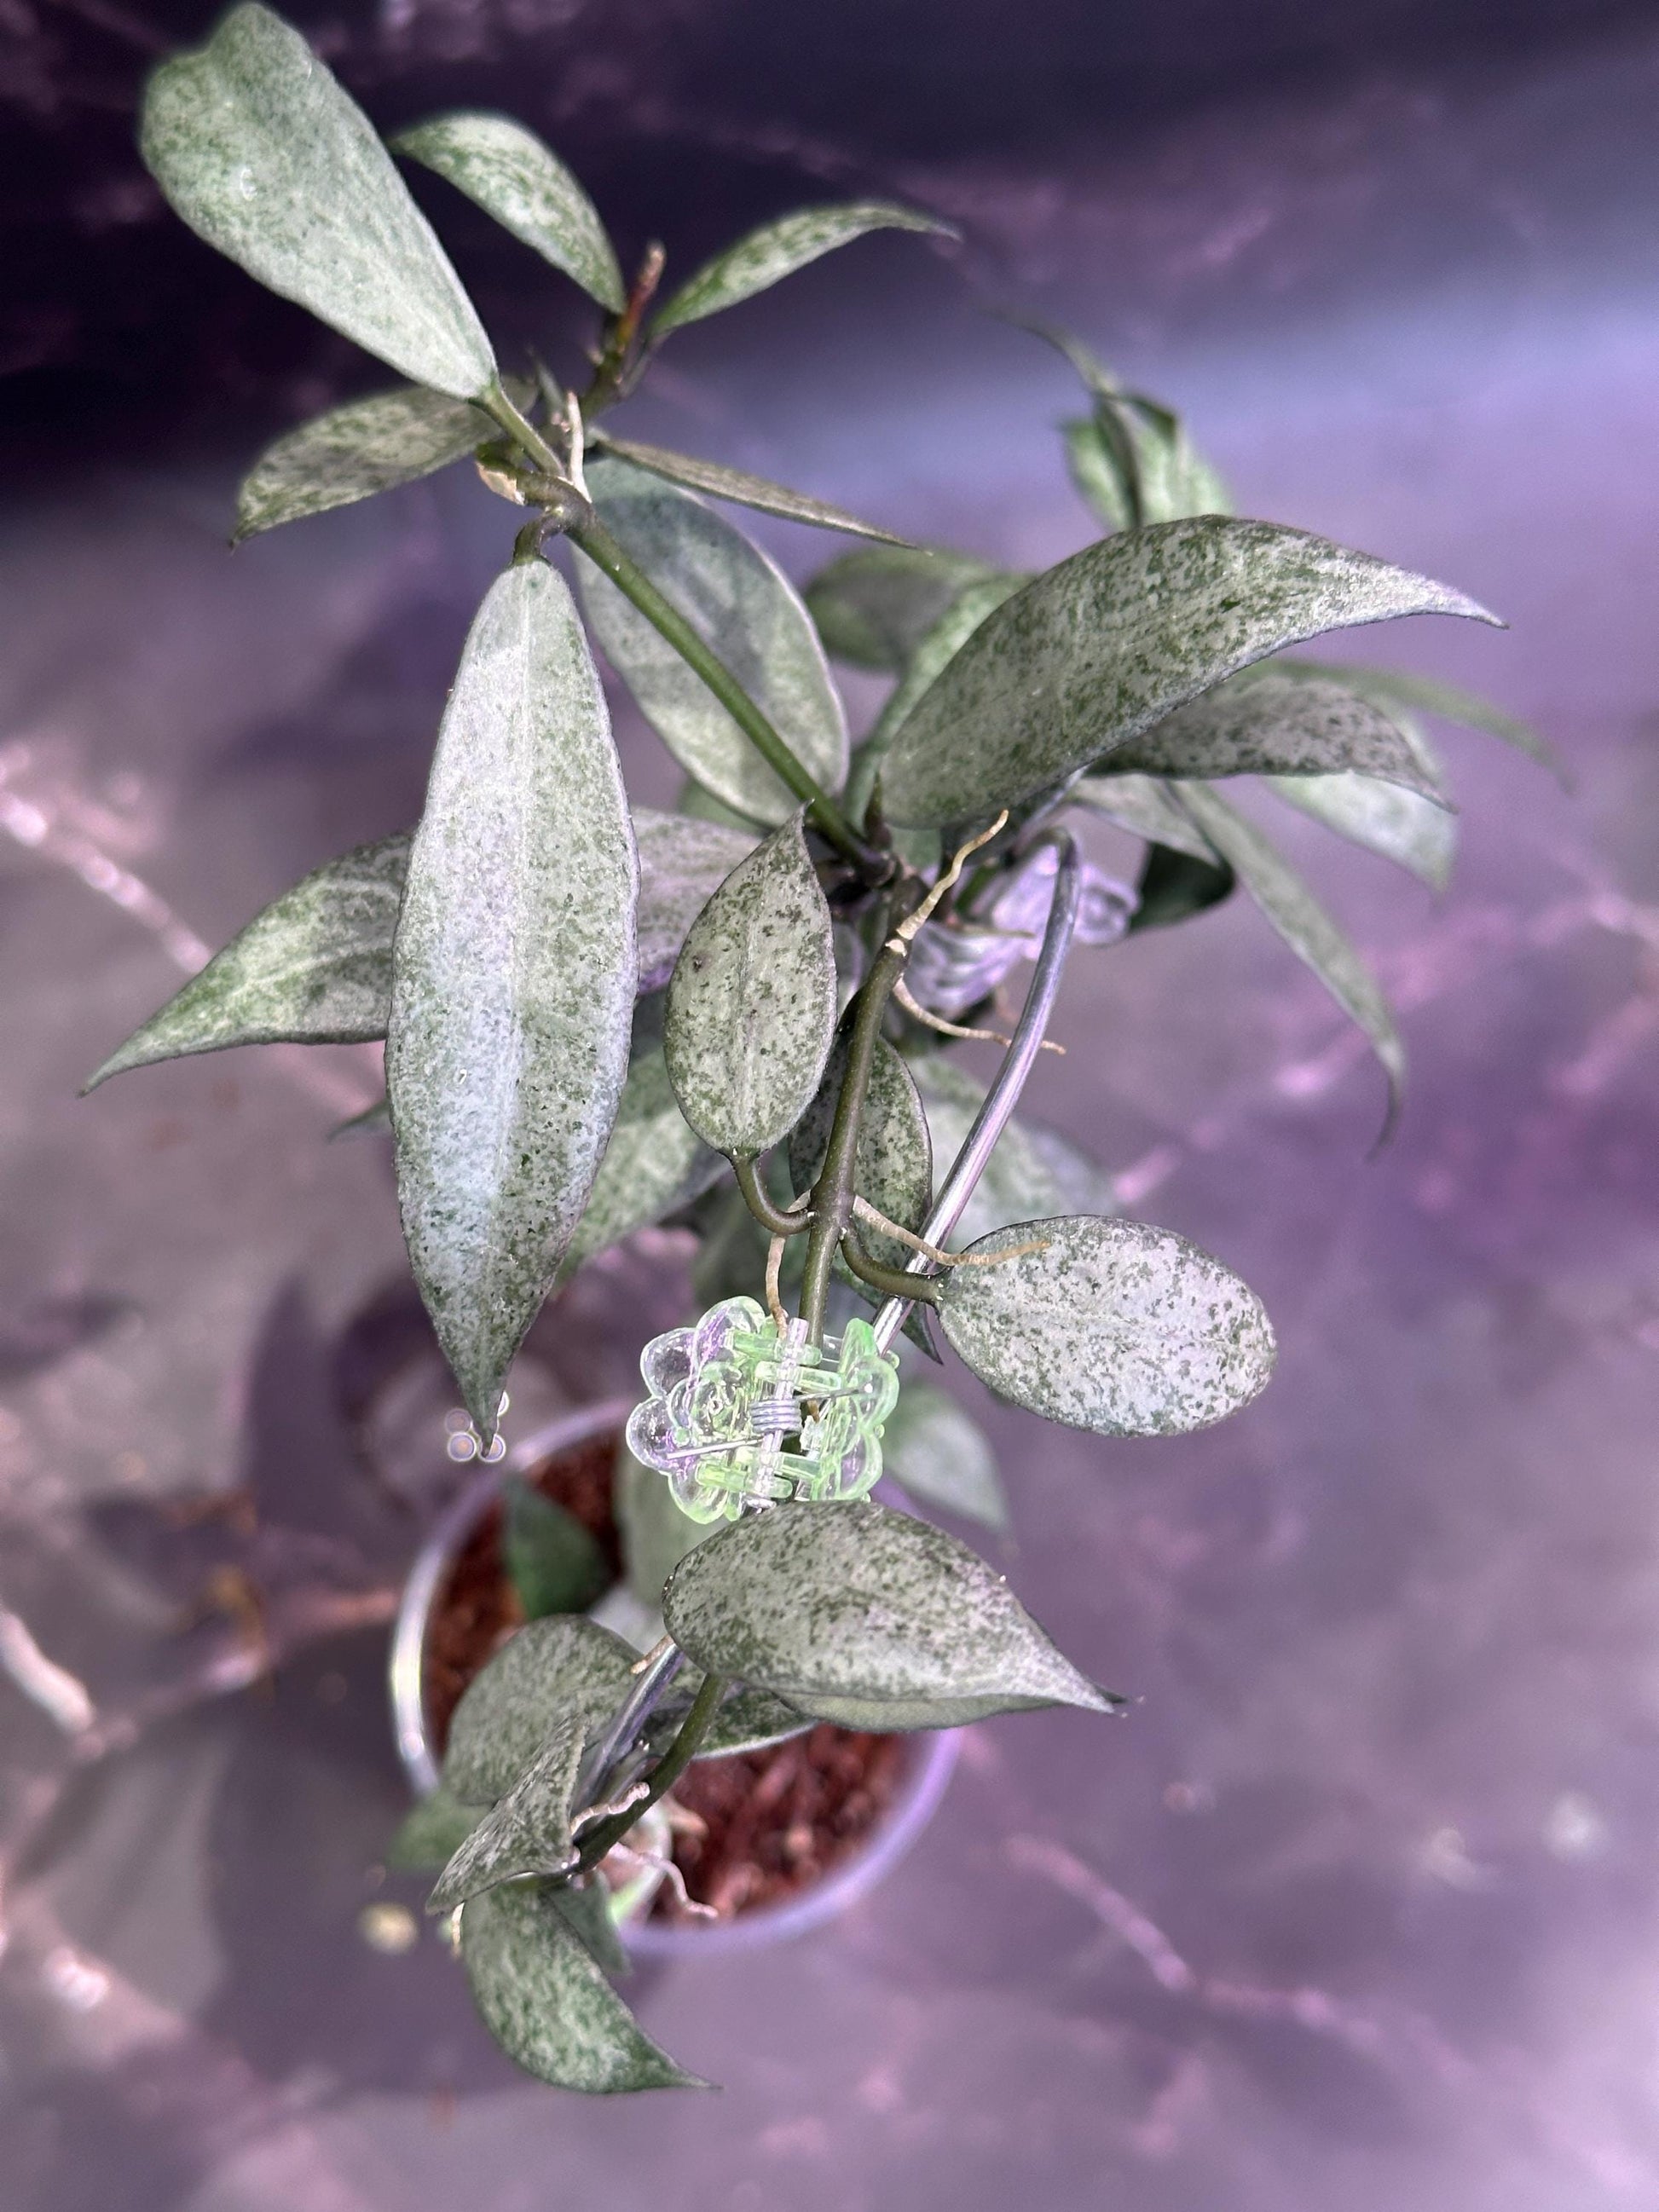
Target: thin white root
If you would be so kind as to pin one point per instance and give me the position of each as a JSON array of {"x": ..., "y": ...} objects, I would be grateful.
[
  {"x": 659, "y": 1650},
  {"x": 865, "y": 1211},
  {"x": 914, "y": 1007},
  {"x": 908, "y": 928},
  {"x": 573, "y": 415},
  {"x": 669, "y": 1873},
  {"x": 775, "y": 1306},
  {"x": 592, "y": 1813}
]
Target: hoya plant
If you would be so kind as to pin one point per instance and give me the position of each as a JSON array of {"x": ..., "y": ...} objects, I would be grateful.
[{"x": 736, "y": 1017}]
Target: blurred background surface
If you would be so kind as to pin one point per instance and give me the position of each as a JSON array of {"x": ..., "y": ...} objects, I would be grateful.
[{"x": 1361, "y": 1906}]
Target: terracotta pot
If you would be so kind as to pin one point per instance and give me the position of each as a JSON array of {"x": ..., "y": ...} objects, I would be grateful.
[{"x": 933, "y": 1755}]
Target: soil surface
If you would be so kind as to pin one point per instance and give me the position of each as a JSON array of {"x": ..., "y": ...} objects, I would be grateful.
[{"x": 749, "y": 1831}]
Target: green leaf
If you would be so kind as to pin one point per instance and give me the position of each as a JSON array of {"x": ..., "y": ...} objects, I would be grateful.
[
  {"x": 700, "y": 806},
  {"x": 751, "y": 1008},
  {"x": 552, "y": 1561},
  {"x": 720, "y": 481},
  {"x": 587, "y": 1909},
  {"x": 1403, "y": 826},
  {"x": 1176, "y": 885},
  {"x": 894, "y": 1169},
  {"x": 514, "y": 975},
  {"x": 265, "y": 157},
  {"x": 655, "y": 1164},
  {"x": 1304, "y": 924},
  {"x": 562, "y": 1664},
  {"x": 1275, "y": 725},
  {"x": 543, "y": 1998},
  {"x": 941, "y": 644},
  {"x": 868, "y": 1618},
  {"x": 314, "y": 968},
  {"x": 682, "y": 863},
  {"x": 933, "y": 1450},
  {"x": 776, "y": 250},
  {"x": 1390, "y": 688},
  {"x": 1018, "y": 1183},
  {"x": 1100, "y": 647},
  {"x": 1145, "y": 808},
  {"x": 432, "y": 1832},
  {"x": 1132, "y": 471},
  {"x": 511, "y": 175},
  {"x": 528, "y": 1832},
  {"x": 656, "y": 1535},
  {"x": 873, "y": 607},
  {"x": 745, "y": 607},
  {"x": 748, "y": 1719},
  {"x": 1111, "y": 1326},
  {"x": 350, "y": 453}
]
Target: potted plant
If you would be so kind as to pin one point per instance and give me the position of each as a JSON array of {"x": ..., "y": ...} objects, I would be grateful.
[{"x": 736, "y": 1016}]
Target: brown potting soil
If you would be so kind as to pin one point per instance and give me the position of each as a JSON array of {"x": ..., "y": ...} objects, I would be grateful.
[{"x": 749, "y": 1830}]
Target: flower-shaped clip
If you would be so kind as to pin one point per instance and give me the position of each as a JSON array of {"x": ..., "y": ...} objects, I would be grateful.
[{"x": 743, "y": 1412}]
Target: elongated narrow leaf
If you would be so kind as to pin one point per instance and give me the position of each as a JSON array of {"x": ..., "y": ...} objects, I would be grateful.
[
  {"x": 1272, "y": 725},
  {"x": 933, "y": 1451},
  {"x": 512, "y": 978},
  {"x": 777, "y": 250},
  {"x": 867, "y": 1618},
  {"x": 1392, "y": 688},
  {"x": 894, "y": 1169},
  {"x": 553, "y": 1561},
  {"x": 941, "y": 644},
  {"x": 563, "y": 1664},
  {"x": 1018, "y": 1183},
  {"x": 682, "y": 863},
  {"x": 719, "y": 482},
  {"x": 1402, "y": 825},
  {"x": 432, "y": 1832},
  {"x": 1304, "y": 924},
  {"x": 527, "y": 1833},
  {"x": 873, "y": 607},
  {"x": 655, "y": 1164},
  {"x": 1133, "y": 460},
  {"x": 314, "y": 968},
  {"x": 265, "y": 156},
  {"x": 367, "y": 446},
  {"x": 1109, "y": 1325},
  {"x": 542, "y": 1995},
  {"x": 751, "y": 1010},
  {"x": 1097, "y": 649},
  {"x": 1176, "y": 884},
  {"x": 1146, "y": 808},
  {"x": 512, "y": 176},
  {"x": 745, "y": 608}
]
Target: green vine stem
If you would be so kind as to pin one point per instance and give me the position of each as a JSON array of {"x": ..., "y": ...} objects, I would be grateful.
[
  {"x": 772, "y": 1218},
  {"x": 663, "y": 1775}
]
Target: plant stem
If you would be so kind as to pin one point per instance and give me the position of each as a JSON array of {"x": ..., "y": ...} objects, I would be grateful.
[
  {"x": 891, "y": 1282},
  {"x": 602, "y": 548},
  {"x": 758, "y": 1198},
  {"x": 522, "y": 432},
  {"x": 663, "y": 1775}
]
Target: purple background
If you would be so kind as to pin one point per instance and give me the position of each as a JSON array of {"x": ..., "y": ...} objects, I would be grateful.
[{"x": 1359, "y": 1907}]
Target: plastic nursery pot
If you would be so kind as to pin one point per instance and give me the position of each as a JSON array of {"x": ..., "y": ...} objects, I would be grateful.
[{"x": 927, "y": 1759}]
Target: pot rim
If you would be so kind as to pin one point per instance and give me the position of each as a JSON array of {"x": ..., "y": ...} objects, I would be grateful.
[{"x": 912, "y": 1804}]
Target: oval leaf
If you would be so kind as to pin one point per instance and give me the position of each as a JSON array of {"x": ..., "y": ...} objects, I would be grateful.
[
  {"x": 1402, "y": 826},
  {"x": 368, "y": 446},
  {"x": 265, "y": 156},
  {"x": 543, "y": 1998},
  {"x": 933, "y": 1451},
  {"x": 751, "y": 1010},
  {"x": 511, "y": 175},
  {"x": 719, "y": 482},
  {"x": 553, "y": 1561},
  {"x": 527, "y": 1833},
  {"x": 512, "y": 978},
  {"x": 873, "y": 608},
  {"x": 868, "y": 1618},
  {"x": 655, "y": 1164},
  {"x": 564, "y": 1664},
  {"x": 895, "y": 1165},
  {"x": 682, "y": 863},
  {"x": 1304, "y": 924},
  {"x": 1111, "y": 1326},
  {"x": 777, "y": 250},
  {"x": 1274, "y": 725},
  {"x": 745, "y": 607},
  {"x": 314, "y": 968},
  {"x": 1100, "y": 647}
]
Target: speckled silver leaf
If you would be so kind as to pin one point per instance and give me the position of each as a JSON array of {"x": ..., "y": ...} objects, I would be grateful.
[
  {"x": 873, "y": 608},
  {"x": 682, "y": 863},
  {"x": 585, "y": 1907},
  {"x": 432, "y": 1832},
  {"x": 1403, "y": 826},
  {"x": 563, "y": 1664},
  {"x": 719, "y": 482},
  {"x": 744, "y": 606},
  {"x": 935, "y": 1451},
  {"x": 514, "y": 972},
  {"x": 751, "y": 1008},
  {"x": 777, "y": 249},
  {"x": 527, "y": 1833},
  {"x": 941, "y": 643},
  {"x": 353, "y": 451},
  {"x": 1113, "y": 1326},
  {"x": 868, "y": 1618},
  {"x": 1105, "y": 644},
  {"x": 314, "y": 968},
  {"x": 1304, "y": 924},
  {"x": 1268, "y": 724},
  {"x": 1175, "y": 480},
  {"x": 265, "y": 156},
  {"x": 748, "y": 1720},
  {"x": 655, "y": 1164},
  {"x": 1019, "y": 1181},
  {"x": 509, "y": 174},
  {"x": 542, "y": 1997},
  {"x": 1397, "y": 689},
  {"x": 1146, "y": 808},
  {"x": 894, "y": 1169}
]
